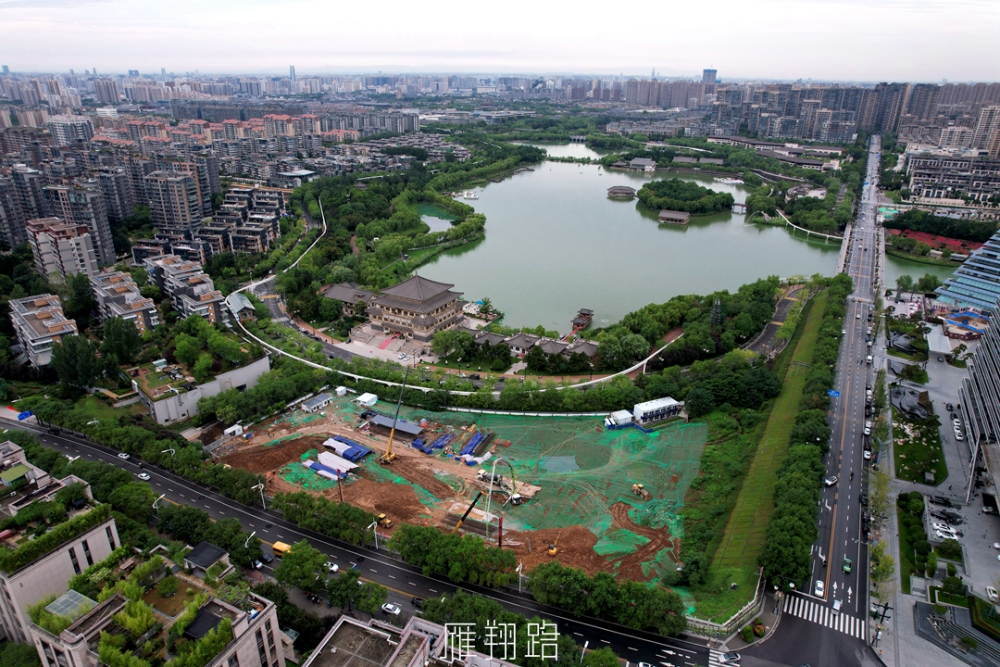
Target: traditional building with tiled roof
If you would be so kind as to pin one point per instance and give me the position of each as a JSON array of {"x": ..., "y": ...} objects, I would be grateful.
[{"x": 417, "y": 308}]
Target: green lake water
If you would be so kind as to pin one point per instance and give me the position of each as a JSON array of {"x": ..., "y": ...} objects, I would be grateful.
[{"x": 555, "y": 243}]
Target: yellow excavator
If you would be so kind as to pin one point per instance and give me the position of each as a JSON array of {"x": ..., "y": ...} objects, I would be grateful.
[
  {"x": 389, "y": 457},
  {"x": 552, "y": 548},
  {"x": 640, "y": 490}
]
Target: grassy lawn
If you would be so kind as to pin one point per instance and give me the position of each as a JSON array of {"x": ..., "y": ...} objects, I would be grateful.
[
  {"x": 744, "y": 535},
  {"x": 100, "y": 409},
  {"x": 903, "y": 355},
  {"x": 948, "y": 598},
  {"x": 174, "y": 604},
  {"x": 917, "y": 449}
]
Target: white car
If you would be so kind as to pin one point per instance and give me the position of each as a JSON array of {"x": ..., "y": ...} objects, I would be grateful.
[
  {"x": 942, "y": 535},
  {"x": 124, "y": 457},
  {"x": 959, "y": 436},
  {"x": 392, "y": 609},
  {"x": 858, "y": 316},
  {"x": 957, "y": 423},
  {"x": 143, "y": 476},
  {"x": 830, "y": 481},
  {"x": 257, "y": 565},
  {"x": 867, "y": 455},
  {"x": 991, "y": 593},
  {"x": 818, "y": 590},
  {"x": 843, "y": 332},
  {"x": 943, "y": 527},
  {"x": 333, "y": 567}
]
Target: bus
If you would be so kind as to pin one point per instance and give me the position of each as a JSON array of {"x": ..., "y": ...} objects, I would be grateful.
[{"x": 280, "y": 549}]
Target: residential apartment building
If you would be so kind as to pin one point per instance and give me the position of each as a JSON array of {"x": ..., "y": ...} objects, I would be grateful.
[
  {"x": 117, "y": 188},
  {"x": 174, "y": 201},
  {"x": 12, "y": 219},
  {"x": 83, "y": 203},
  {"x": 257, "y": 639},
  {"x": 117, "y": 295},
  {"x": 38, "y": 324},
  {"x": 949, "y": 176},
  {"x": 23, "y": 582},
  {"x": 30, "y": 186},
  {"x": 67, "y": 130},
  {"x": 189, "y": 288},
  {"x": 61, "y": 248}
]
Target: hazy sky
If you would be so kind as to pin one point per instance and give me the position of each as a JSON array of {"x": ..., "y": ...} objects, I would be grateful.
[{"x": 863, "y": 40}]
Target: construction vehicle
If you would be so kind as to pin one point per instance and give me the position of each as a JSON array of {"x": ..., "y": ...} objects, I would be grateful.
[
  {"x": 384, "y": 521},
  {"x": 640, "y": 490},
  {"x": 389, "y": 457},
  {"x": 475, "y": 500},
  {"x": 552, "y": 548}
]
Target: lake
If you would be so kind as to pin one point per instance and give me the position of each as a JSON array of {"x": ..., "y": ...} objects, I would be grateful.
[{"x": 555, "y": 243}]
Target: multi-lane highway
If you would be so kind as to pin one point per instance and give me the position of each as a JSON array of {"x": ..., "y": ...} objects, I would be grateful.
[
  {"x": 828, "y": 620},
  {"x": 404, "y": 582}
]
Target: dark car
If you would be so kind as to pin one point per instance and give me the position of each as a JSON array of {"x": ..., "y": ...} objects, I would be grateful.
[
  {"x": 418, "y": 602},
  {"x": 863, "y": 499},
  {"x": 940, "y": 358},
  {"x": 474, "y": 376},
  {"x": 940, "y": 500},
  {"x": 54, "y": 431},
  {"x": 949, "y": 406}
]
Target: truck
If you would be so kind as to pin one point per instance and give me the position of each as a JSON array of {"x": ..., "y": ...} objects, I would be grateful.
[{"x": 280, "y": 549}]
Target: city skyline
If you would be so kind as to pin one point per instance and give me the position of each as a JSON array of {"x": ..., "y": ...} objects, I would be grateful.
[{"x": 899, "y": 40}]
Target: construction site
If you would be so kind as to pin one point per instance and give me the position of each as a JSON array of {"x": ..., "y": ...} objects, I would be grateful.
[{"x": 564, "y": 488}]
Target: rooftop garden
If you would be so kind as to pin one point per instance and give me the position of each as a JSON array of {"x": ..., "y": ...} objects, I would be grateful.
[{"x": 50, "y": 528}]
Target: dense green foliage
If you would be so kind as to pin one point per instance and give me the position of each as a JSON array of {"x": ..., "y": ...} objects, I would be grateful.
[
  {"x": 274, "y": 390},
  {"x": 915, "y": 220},
  {"x": 338, "y": 520},
  {"x": 459, "y": 557},
  {"x": 791, "y": 529},
  {"x": 632, "y": 604},
  {"x": 677, "y": 195},
  {"x": 13, "y": 560}
]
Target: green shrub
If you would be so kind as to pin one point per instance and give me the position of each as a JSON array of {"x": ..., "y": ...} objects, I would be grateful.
[
  {"x": 922, "y": 546},
  {"x": 168, "y": 586},
  {"x": 950, "y": 549},
  {"x": 952, "y": 570},
  {"x": 746, "y": 634}
]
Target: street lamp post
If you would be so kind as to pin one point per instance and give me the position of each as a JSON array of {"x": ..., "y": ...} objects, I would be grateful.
[
  {"x": 489, "y": 496},
  {"x": 246, "y": 545},
  {"x": 374, "y": 528},
  {"x": 156, "y": 505},
  {"x": 261, "y": 487}
]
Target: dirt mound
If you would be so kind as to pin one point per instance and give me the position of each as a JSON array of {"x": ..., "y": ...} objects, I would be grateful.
[
  {"x": 576, "y": 548},
  {"x": 423, "y": 478},
  {"x": 271, "y": 457}
]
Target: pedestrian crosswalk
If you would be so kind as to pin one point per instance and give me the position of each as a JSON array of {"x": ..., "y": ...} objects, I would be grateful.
[
  {"x": 815, "y": 612},
  {"x": 715, "y": 658}
]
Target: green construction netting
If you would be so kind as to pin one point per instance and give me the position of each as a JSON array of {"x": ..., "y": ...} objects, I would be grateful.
[{"x": 582, "y": 468}]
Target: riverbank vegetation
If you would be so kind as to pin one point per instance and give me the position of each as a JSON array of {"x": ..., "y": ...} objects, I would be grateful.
[{"x": 677, "y": 195}]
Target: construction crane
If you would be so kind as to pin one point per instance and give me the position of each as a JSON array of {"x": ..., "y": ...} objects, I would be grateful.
[
  {"x": 388, "y": 457},
  {"x": 462, "y": 520}
]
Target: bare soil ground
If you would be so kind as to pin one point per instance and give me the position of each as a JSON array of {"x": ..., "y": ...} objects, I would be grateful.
[{"x": 263, "y": 460}]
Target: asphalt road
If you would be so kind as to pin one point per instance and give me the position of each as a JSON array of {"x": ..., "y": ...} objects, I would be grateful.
[
  {"x": 822, "y": 642},
  {"x": 404, "y": 582}
]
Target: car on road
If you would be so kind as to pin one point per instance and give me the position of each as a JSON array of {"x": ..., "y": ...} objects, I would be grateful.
[
  {"x": 940, "y": 358},
  {"x": 143, "y": 476},
  {"x": 418, "y": 602},
  {"x": 863, "y": 499},
  {"x": 959, "y": 436},
  {"x": 731, "y": 658},
  {"x": 391, "y": 608},
  {"x": 867, "y": 455},
  {"x": 257, "y": 565},
  {"x": 333, "y": 567},
  {"x": 818, "y": 588},
  {"x": 837, "y": 604},
  {"x": 844, "y": 332},
  {"x": 475, "y": 376},
  {"x": 124, "y": 457},
  {"x": 949, "y": 407},
  {"x": 858, "y": 316},
  {"x": 830, "y": 481},
  {"x": 956, "y": 422},
  {"x": 991, "y": 593},
  {"x": 847, "y": 565}
]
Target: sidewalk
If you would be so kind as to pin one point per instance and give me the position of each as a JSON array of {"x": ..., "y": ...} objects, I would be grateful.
[{"x": 766, "y": 616}]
